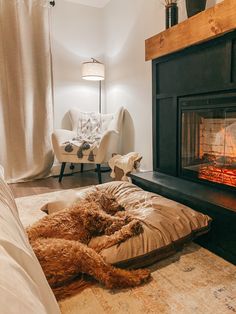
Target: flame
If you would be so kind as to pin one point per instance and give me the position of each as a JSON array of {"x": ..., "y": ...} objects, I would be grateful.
[
  {"x": 218, "y": 174},
  {"x": 220, "y": 166}
]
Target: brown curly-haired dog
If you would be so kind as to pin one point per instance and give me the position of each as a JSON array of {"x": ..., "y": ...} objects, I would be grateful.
[{"x": 60, "y": 242}]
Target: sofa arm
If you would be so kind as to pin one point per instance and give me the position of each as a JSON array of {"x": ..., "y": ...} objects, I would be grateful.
[
  {"x": 1, "y": 172},
  {"x": 60, "y": 136},
  {"x": 23, "y": 285}
]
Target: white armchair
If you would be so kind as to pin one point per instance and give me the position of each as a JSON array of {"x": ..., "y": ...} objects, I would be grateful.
[{"x": 111, "y": 125}]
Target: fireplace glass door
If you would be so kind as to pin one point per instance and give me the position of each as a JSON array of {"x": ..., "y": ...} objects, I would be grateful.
[{"x": 208, "y": 145}]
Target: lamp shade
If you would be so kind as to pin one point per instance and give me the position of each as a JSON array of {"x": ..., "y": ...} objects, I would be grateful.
[{"x": 93, "y": 71}]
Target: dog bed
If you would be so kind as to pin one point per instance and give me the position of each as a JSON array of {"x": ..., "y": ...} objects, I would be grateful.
[{"x": 167, "y": 225}]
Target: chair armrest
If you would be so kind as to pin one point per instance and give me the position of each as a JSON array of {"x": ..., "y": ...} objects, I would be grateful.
[
  {"x": 60, "y": 136},
  {"x": 108, "y": 145},
  {"x": 107, "y": 137}
]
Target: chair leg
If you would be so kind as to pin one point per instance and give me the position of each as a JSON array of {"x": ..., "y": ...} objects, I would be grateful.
[
  {"x": 62, "y": 171},
  {"x": 99, "y": 173},
  {"x": 81, "y": 167}
]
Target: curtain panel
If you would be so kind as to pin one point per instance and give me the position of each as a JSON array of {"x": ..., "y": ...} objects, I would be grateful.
[{"x": 26, "y": 108}]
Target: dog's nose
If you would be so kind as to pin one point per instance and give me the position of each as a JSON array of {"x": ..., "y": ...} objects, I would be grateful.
[{"x": 121, "y": 208}]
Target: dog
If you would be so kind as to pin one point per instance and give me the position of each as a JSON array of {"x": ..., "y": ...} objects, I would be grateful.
[{"x": 60, "y": 242}]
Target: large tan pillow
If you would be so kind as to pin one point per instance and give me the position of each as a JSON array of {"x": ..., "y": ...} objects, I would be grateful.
[{"x": 167, "y": 224}]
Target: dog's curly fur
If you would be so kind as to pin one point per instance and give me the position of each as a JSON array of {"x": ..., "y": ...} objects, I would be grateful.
[{"x": 60, "y": 242}]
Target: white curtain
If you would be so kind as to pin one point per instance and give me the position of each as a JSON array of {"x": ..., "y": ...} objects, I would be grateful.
[{"x": 26, "y": 110}]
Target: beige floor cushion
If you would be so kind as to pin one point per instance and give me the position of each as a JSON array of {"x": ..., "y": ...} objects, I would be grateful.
[{"x": 167, "y": 224}]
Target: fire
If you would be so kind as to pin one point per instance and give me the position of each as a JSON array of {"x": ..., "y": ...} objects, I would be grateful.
[
  {"x": 220, "y": 166},
  {"x": 219, "y": 174}
]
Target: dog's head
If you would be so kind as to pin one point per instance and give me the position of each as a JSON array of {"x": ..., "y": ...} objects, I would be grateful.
[
  {"x": 109, "y": 204},
  {"x": 106, "y": 201}
]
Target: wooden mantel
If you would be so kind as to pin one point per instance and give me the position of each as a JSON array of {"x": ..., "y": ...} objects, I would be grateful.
[{"x": 204, "y": 26}]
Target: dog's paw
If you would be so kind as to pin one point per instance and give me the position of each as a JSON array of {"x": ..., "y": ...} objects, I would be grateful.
[
  {"x": 136, "y": 227},
  {"x": 128, "y": 218},
  {"x": 124, "y": 216},
  {"x": 112, "y": 229},
  {"x": 127, "y": 278},
  {"x": 142, "y": 275}
]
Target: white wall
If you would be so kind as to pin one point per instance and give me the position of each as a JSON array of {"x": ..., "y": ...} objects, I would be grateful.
[
  {"x": 129, "y": 80},
  {"x": 77, "y": 35},
  {"x": 127, "y": 25}
]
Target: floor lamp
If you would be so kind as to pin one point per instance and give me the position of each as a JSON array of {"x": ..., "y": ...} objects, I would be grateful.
[{"x": 94, "y": 71}]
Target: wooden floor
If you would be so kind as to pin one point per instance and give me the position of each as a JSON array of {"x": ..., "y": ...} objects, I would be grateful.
[{"x": 51, "y": 184}]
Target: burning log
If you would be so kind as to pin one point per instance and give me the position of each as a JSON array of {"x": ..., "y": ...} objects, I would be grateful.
[{"x": 218, "y": 174}]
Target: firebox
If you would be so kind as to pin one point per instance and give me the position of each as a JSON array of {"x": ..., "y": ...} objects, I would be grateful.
[{"x": 208, "y": 139}]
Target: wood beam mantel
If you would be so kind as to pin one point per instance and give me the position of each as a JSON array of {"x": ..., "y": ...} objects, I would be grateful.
[{"x": 204, "y": 26}]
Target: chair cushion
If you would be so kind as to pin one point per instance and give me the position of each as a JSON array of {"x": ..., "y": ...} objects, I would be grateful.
[{"x": 167, "y": 224}]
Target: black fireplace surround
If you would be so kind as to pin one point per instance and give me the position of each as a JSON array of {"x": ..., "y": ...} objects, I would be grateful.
[
  {"x": 194, "y": 108},
  {"x": 203, "y": 76}
]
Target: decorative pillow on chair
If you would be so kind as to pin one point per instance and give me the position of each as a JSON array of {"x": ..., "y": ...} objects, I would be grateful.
[{"x": 87, "y": 122}]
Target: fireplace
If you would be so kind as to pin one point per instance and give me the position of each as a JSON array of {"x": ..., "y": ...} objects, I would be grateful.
[
  {"x": 194, "y": 121},
  {"x": 208, "y": 140}
]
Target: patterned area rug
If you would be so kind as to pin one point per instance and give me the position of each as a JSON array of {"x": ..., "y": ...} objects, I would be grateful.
[{"x": 192, "y": 281}]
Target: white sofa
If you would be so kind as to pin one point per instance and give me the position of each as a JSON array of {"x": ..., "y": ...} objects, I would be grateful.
[{"x": 23, "y": 286}]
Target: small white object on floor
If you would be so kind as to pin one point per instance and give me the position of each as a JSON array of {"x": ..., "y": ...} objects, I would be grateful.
[{"x": 125, "y": 163}]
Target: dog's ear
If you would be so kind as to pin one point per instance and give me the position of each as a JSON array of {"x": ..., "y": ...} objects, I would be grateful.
[
  {"x": 106, "y": 200},
  {"x": 110, "y": 204},
  {"x": 94, "y": 197}
]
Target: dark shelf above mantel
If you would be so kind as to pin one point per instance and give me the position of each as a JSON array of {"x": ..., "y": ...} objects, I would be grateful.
[
  {"x": 201, "y": 27},
  {"x": 190, "y": 193}
]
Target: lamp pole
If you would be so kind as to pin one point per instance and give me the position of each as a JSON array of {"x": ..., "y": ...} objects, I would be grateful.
[
  {"x": 100, "y": 97},
  {"x": 95, "y": 71}
]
